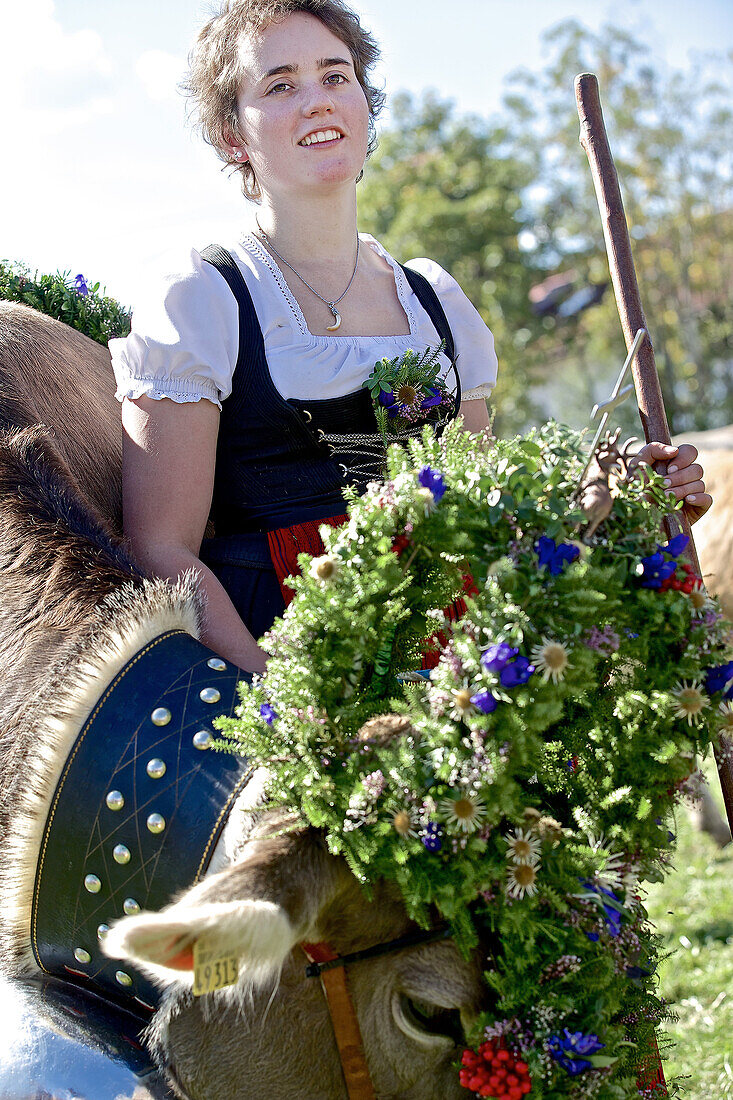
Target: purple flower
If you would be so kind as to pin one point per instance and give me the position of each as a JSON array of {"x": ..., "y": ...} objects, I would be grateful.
[
  {"x": 497, "y": 656},
  {"x": 571, "y": 1050},
  {"x": 656, "y": 570},
  {"x": 718, "y": 678},
  {"x": 485, "y": 701},
  {"x": 434, "y": 398},
  {"x": 516, "y": 672},
  {"x": 389, "y": 400},
  {"x": 432, "y": 480},
  {"x": 268, "y": 713},
  {"x": 80, "y": 286},
  {"x": 554, "y": 557},
  {"x": 604, "y": 640}
]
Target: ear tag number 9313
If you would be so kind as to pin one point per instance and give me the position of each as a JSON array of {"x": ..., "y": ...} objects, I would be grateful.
[{"x": 212, "y": 971}]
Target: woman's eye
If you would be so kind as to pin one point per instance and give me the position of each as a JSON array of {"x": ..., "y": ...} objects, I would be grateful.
[
  {"x": 336, "y": 78},
  {"x": 278, "y": 87}
]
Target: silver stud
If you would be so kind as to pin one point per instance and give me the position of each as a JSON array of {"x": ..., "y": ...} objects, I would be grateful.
[
  {"x": 115, "y": 800},
  {"x": 102, "y": 931},
  {"x": 81, "y": 955},
  {"x": 93, "y": 884},
  {"x": 210, "y": 695},
  {"x": 156, "y": 823},
  {"x": 217, "y": 664},
  {"x": 121, "y": 854},
  {"x": 123, "y": 978},
  {"x": 130, "y": 907},
  {"x": 202, "y": 739},
  {"x": 155, "y": 768},
  {"x": 161, "y": 716}
]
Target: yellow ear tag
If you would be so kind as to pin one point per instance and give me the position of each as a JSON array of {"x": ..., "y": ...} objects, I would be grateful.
[{"x": 212, "y": 971}]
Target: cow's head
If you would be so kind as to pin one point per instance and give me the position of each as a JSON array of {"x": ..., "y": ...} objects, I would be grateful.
[{"x": 271, "y": 1035}]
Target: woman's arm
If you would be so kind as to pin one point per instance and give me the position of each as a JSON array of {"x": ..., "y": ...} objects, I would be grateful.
[
  {"x": 168, "y": 459},
  {"x": 475, "y": 414}
]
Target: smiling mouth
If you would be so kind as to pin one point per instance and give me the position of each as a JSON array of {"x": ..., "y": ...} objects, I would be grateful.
[{"x": 321, "y": 137}]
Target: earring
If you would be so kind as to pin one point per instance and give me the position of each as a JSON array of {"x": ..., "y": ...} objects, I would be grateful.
[{"x": 237, "y": 154}]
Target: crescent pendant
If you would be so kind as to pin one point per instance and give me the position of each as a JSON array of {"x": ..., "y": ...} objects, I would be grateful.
[{"x": 336, "y": 321}]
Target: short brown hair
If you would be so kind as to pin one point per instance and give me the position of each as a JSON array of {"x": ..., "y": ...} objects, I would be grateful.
[{"x": 214, "y": 71}]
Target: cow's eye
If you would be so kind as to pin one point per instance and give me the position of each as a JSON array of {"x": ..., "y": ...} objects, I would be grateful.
[{"x": 427, "y": 1023}]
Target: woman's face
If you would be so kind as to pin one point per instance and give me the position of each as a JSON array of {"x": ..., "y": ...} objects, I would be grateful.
[{"x": 298, "y": 83}]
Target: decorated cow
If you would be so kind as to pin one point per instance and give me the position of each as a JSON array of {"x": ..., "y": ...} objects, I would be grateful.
[
  {"x": 388, "y": 884},
  {"x": 111, "y": 802}
]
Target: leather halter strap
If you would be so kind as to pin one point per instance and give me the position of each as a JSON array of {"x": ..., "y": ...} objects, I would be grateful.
[
  {"x": 327, "y": 965},
  {"x": 343, "y": 1020}
]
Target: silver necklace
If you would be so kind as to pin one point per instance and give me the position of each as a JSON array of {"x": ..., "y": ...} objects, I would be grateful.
[{"x": 331, "y": 305}]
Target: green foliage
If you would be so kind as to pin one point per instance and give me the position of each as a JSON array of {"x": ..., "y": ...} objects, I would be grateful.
[
  {"x": 692, "y": 910},
  {"x": 97, "y": 316},
  {"x": 524, "y": 809},
  {"x": 412, "y": 383}
]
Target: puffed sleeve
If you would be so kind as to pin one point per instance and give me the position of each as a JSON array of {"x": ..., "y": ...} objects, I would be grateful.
[
  {"x": 184, "y": 339},
  {"x": 475, "y": 355}
]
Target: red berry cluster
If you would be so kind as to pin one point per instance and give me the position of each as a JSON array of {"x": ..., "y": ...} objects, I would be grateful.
[
  {"x": 495, "y": 1072},
  {"x": 687, "y": 585}
]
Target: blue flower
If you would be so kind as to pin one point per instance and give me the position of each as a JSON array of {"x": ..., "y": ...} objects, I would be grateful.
[
  {"x": 717, "y": 678},
  {"x": 656, "y": 570},
  {"x": 516, "y": 672},
  {"x": 485, "y": 701},
  {"x": 497, "y": 656},
  {"x": 554, "y": 557},
  {"x": 80, "y": 286},
  {"x": 434, "y": 398},
  {"x": 571, "y": 1050},
  {"x": 612, "y": 912},
  {"x": 431, "y": 838},
  {"x": 432, "y": 480},
  {"x": 675, "y": 546},
  {"x": 268, "y": 713}
]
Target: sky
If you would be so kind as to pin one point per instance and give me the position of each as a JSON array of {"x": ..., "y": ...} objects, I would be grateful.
[{"x": 100, "y": 174}]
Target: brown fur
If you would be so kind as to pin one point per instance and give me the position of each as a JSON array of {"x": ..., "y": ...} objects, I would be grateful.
[{"x": 53, "y": 375}]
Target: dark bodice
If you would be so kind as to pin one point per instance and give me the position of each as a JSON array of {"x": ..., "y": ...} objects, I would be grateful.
[{"x": 273, "y": 466}]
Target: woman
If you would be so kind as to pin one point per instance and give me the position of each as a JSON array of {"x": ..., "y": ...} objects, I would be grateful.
[{"x": 223, "y": 396}]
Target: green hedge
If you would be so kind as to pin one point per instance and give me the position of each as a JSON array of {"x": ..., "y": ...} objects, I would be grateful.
[{"x": 74, "y": 301}]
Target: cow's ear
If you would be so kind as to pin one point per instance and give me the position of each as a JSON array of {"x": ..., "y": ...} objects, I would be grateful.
[{"x": 257, "y": 911}]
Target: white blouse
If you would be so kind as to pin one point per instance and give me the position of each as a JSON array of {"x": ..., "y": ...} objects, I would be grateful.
[{"x": 185, "y": 339}]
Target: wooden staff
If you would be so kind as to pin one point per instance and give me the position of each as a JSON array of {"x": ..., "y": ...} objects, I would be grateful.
[{"x": 594, "y": 139}]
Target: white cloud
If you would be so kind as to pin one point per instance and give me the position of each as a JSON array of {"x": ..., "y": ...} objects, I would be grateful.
[
  {"x": 52, "y": 78},
  {"x": 160, "y": 74}
]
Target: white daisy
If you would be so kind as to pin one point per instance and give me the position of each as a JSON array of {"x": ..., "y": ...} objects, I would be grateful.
[
  {"x": 324, "y": 569},
  {"x": 523, "y": 847},
  {"x": 691, "y": 701},
  {"x": 521, "y": 880},
  {"x": 403, "y": 824},
  {"x": 726, "y": 709},
  {"x": 609, "y": 865},
  {"x": 552, "y": 658},
  {"x": 461, "y": 702},
  {"x": 698, "y": 597},
  {"x": 467, "y": 811}
]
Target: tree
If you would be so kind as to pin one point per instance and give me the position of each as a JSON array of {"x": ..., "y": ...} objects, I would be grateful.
[{"x": 672, "y": 137}]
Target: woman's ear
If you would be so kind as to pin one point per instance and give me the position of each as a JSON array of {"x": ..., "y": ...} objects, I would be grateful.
[{"x": 233, "y": 144}]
